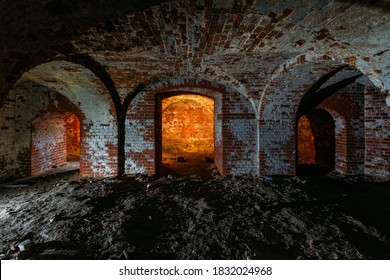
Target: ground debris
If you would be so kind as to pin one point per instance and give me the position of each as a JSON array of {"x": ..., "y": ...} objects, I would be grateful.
[{"x": 143, "y": 217}]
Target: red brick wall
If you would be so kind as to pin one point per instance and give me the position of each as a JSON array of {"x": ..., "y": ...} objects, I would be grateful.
[
  {"x": 49, "y": 134},
  {"x": 235, "y": 128},
  {"x": 347, "y": 109},
  {"x": 48, "y": 143},
  {"x": 245, "y": 142},
  {"x": 55, "y": 139},
  {"x": 87, "y": 94},
  {"x": 377, "y": 132},
  {"x": 277, "y": 117},
  {"x": 36, "y": 137}
]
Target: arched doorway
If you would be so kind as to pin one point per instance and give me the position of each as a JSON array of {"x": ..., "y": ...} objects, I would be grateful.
[
  {"x": 55, "y": 142},
  {"x": 185, "y": 135},
  {"x": 316, "y": 142},
  {"x": 67, "y": 86}
]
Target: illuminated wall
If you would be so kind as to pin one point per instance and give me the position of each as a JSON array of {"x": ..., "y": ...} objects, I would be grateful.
[
  {"x": 72, "y": 125},
  {"x": 188, "y": 127},
  {"x": 48, "y": 147},
  {"x": 306, "y": 148}
]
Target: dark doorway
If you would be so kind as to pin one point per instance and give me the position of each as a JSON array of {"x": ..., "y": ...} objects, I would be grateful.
[{"x": 316, "y": 142}]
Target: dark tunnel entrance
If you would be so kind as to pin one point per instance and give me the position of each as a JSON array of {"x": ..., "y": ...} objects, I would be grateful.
[{"x": 316, "y": 142}]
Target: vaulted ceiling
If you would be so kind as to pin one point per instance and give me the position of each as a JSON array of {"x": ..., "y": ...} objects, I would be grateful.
[{"x": 243, "y": 43}]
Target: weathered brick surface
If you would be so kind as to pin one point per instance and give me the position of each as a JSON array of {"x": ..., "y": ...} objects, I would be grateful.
[
  {"x": 269, "y": 52},
  {"x": 347, "y": 109},
  {"x": 99, "y": 151},
  {"x": 8, "y": 163},
  {"x": 26, "y": 149},
  {"x": 99, "y": 130},
  {"x": 48, "y": 143},
  {"x": 277, "y": 120},
  {"x": 36, "y": 127},
  {"x": 235, "y": 128},
  {"x": 377, "y": 125},
  {"x": 239, "y": 136},
  {"x": 243, "y": 42}
]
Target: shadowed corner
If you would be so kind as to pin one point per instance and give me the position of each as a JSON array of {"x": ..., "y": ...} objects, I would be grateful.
[{"x": 383, "y": 5}]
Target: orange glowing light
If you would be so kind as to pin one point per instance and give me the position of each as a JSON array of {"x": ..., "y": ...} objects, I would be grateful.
[{"x": 187, "y": 128}]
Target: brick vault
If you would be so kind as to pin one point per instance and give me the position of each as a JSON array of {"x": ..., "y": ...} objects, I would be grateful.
[{"x": 292, "y": 82}]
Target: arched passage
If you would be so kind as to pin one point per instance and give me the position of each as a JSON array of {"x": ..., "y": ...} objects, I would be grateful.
[
  {"x": 316, "y": 142},
  {"x": 334, "y": 86},
  {"x": 82, "y": 88},
  {"x": 235, "y": 142},
  {"x": 48, "y": 129},
  {"x": 185, "y": 134},
  {"x": 55, "y": 141},
  {"x": 278, "y": 115}
]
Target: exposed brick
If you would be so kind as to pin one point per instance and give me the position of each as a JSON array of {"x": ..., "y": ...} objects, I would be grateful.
[
  {"x": 235, "y": 128},
  {"x": 261, "y": 58}
]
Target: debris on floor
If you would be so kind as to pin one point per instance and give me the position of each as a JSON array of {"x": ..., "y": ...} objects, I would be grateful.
[{"x": 142, "y": 217}]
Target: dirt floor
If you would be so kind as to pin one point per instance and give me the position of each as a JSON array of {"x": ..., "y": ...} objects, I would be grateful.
[{"x": 64, "y": 216}]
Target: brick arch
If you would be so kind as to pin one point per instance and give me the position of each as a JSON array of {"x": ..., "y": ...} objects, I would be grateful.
[
  {"x": 99, "y": 71},
  {"x": 341, "y": 57},
  {"x": 60, "y": 104},
  {"x": 48, "y": 142},
  {"x": 58, "y": 107},
  {"x": 342, "y": 105},
  {"x": 187, "y": 82},
  {"x": 347, "y": 108},
  {"x": 30, "y": 101},
  {"x": 192, "y": 141},
  {"x": 329, "y": 62},
  {"x": 235, "y": 124},
  {"x": 342, "y": 147},
  {"x": 120, "y": 109},
  {"x": 277, "y": 116},
  {"x": 280, "y": 102},
  {"x": 82, "y": 87}
]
